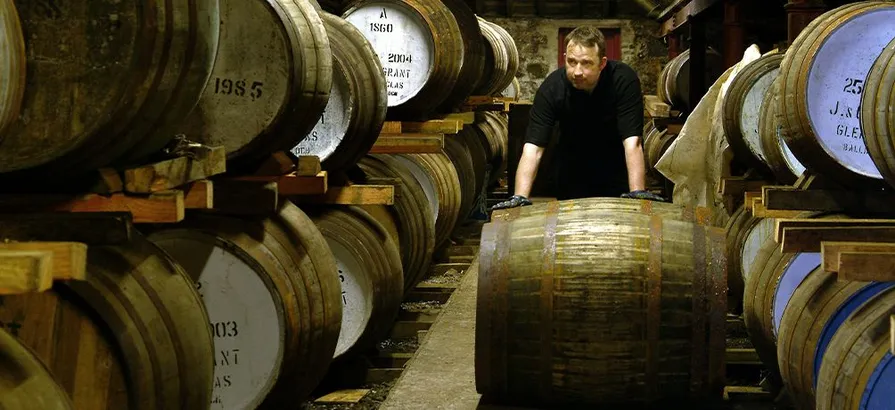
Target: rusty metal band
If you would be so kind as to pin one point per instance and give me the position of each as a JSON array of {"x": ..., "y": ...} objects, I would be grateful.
[
  {"x": 484, "y": 349},
  {"x": 699, "y": 312},
  {"x": 548, "y": 273},
  {"x": 717, "y": 311},
  {"x": 653, "y": 306},
  {"x": 500, "y": 309}
]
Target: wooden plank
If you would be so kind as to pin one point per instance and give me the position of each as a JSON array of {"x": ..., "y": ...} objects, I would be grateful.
[
  {"x": 830, "y": 251},
  {"x": 867, "y": 266},
  {"x": 69, "y": 258},
  {"x": 25, "y": 271},
  {"x": 344, "y": 396},
  {"x": 279, "y": 163},
  {"x": 858, "y": 224},
  {"x": 409, "y": 144},
  {"x": 808, "y": 239},
  {"x": 739, "y": 185},
  {"x": 308, "y": 166},
  {"x": 353, "y": 195},
  {"x": 451, "y": 126},
  {"x": 292, "y": 184},
  {"x": 781, "y": 198},
  {"x": 175, "y": 172},
  {"x": 108, "y": 182},
  {"x": 90, "y": 228},
  {"x": 234, "y": 197},
  {"x": 159, "y": 207},
  {"x": 759, "y": 211},
  {"x": 392, "y": 127},
  {"x": 467, "y": 118},
  {"x": 750, "y": 196},
  {"x": 199, "y": 195},
  {"x": 655, "y": 107}
]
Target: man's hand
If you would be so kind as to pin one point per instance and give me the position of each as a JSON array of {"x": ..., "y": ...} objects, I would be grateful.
[
  {"x": 641, "y": 194},
  {"x": 514, "y": 201}
]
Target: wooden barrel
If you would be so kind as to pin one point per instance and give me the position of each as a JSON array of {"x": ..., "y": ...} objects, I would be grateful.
[
  {"x": 742, "y": 109},
  {"x": 493, "y": 128},
  {"x": 112, "y": 84},
  {"x": 12, "y": 65},
  {"x": 421, "y": 49},
  {"x": 370, "y": 272},
  {"x": 745, "y": 235},
  {"x": 132, "y": 335},
  {"x": 271, "y": 80},
  {"x": 26, "y": 382},
  {"x": 461, "y": 158},
  {"x": 512, "y": 91},
  {"x": 698, "y": 215},
  {"x": 780, "y": 159},
  {"x": 821, "y": 81},
  {"x": 354, "y": 115},
  {"x": 877, "y": 122},
  {"x": 473, "y": 55},
  {"x": 413, "y": 213},
  {"x": 272, "y": 294},
  {"x": 857, "y": 370},
  {"x": 676, "y": 82},
  {"x": 654, "y": 146},
  {"x": 814, "y": 313},
  {"x": 472, "y": 139},
  {"x": 440, "y": 182},
  {"x": 501, "y": 59},
  {"x": 599, "y": 307}
]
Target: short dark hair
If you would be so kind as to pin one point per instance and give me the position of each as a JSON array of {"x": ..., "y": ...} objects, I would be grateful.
[{"x": 588, "y": 36}]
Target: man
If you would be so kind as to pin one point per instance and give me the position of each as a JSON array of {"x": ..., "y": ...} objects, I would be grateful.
[{"x": 599, "y": 106}]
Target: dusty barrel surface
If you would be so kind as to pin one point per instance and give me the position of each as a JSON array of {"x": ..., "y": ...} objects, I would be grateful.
[
  {"x": 369, "y": 269},
  {"x": 501, "y": 60},
  {"x": 438, "y": 177},
  {"x": 745, "y": 236},
  {"x": 132, "y": 335},
  {"x": 271, "y": 80},
  {"x": 12, "y": 65},
  {"x": 742, "y": 109},
  {"x": 878, "y": 117},
  {"x": 350, "y": 124},
  {"x": 858, "y": 369},
  {"x": 272, "y": 295},
  {"x": 780, "y": 159},
  {"x": 107, "y": 81},
  {"x": 26, "y": 381},
  {"x": 596, "y": 307},
  {"x": 412, "y": 212},
  {"x": 493, "y": 127},
  {"x": 461, "y": 157},
  {"x": 822, "y": 78},
  {"x": 816, "y": 311},
  {"x": 698, "y": 215},
  {"x": 419, "y": 46}
]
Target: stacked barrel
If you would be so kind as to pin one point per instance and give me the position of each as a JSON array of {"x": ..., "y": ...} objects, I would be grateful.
[
  {"x": 222, "y": 311},
  {"x": 821, "y": 106}
]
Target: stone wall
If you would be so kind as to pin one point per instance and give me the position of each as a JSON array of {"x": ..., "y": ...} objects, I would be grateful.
[{"x": 537, "y": 40}]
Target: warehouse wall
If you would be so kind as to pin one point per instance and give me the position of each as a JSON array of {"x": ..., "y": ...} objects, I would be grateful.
[{"x": 537, "y": 39}]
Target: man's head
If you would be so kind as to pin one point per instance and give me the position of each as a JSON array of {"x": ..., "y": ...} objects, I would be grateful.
[{"x": 585, "y": 57}]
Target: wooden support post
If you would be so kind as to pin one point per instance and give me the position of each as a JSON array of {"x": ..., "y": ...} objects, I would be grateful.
[
  {"x": 698, "y": 46},
  {"x": 175, "y": 172},
  {"x": 799, "y": 13},
  {"x": 733, "y": 33}
]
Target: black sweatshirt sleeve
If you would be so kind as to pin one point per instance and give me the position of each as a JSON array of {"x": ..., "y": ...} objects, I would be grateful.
[
  {"x": 543, "y": 114},
  {"x": 630, "y": 105}
]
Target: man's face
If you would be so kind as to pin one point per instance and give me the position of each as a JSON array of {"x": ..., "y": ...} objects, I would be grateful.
[{"x": 583, "y": 66}]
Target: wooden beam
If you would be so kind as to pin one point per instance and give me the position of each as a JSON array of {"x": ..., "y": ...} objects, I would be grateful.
[
  {"x": 344, "y": 396},
  {"x": 738, "y": 185},
  {"x": 308, "y": 166},
  {"x": 159, "y": 207},
  {"x": 90, "y": 228},
  {"x": 354, "y": 195},
  {"x": 292, "y": 184},
  {"x": 25, "y": 271},
  {"x": 808, "y": 239},
  {"x": 233, "y": 197},
  {"x": 680, "y": 13},
  {"x": 867, "y": 266},
  {"x": 446, "y": 126},
  {"x": 199, "y": 195},
  {"x": 856, "y": 224},
  {"x": 175, "y": 172},
  {"x": 783, "y": 198},
  {"x": 409, "y": 144},
  {"x": 69, "y": 258},
  {"x": 830, "y": 251}
]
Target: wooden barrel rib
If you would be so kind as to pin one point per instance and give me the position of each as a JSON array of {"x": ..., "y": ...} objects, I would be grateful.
[
  {"x": 857, "y": 370},
  {"x": 12, "y": 65},
  {"x": 26, "y": 382},
  {"x": 745, "y": 236},
  {"x": 439, "y": 179},
  {"x": 412, "y": 212},
  {"x": 112, "y": 83},
  {"x": 501, "y": 59},
  {"x": 878, "y": 117},
  {"x": 556, "y": 280},
  {"x": 355, "y": 112},
  {"x": 271, "y": 80},
  {"x": 272, "y": 294},
  {"x": 369, "y": 268},
  {"x": 420, "y": 47},
  {"x": 817, "y": 307},
  {"x": 742, "y": 109},
  {"x": 461, "y": 158},
  {"x": 139, "y": 305},
  {"x": 821, "y": 87},
  {"x": 780, "y": 159}
]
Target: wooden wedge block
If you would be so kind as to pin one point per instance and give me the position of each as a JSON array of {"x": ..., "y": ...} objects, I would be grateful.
[
  {"x": 175, "y": 172},
  {"x": 69, "y": 258},
  {"x": 100, "y": 228},
  {"x": 23, "y": 271}
]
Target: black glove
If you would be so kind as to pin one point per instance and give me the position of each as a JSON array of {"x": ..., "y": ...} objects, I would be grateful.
[
  {"x": 641, "y": 194},
  {"x": 514, "y": 201}
]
